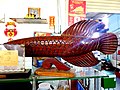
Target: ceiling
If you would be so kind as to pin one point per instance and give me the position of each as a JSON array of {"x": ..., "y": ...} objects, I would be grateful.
[
  {"x": 97, "y": 9},
  {"x": 106, "y": 6}
]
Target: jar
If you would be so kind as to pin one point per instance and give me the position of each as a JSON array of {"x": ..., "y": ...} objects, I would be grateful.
[{"x": 44, "y": 86}]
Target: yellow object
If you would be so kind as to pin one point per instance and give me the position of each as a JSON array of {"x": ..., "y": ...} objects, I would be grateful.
[
  {"x": 8, "y": 57},
  {"x": 32, "y": 16},
  {"x": 53, "y": 72},
  {"x": 27, "y": 15}
]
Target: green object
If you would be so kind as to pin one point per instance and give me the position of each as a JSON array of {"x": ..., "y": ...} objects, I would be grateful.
[{"x": 108, "y": 82}]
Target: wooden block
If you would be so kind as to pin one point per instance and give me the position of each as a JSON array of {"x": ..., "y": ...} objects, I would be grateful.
[
  {"x": 54, "y": 72},
  {"x": 2, "y": 76}
]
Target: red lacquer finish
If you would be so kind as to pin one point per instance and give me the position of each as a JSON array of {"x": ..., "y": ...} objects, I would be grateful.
[
  {"x": 75, "y": 45},
  {"x": 48, "y": 62}
]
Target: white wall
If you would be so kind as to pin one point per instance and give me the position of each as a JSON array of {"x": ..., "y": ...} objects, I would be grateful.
[
  {"x": 19, "y": 8},
  {"x": 63, "y": 14}
]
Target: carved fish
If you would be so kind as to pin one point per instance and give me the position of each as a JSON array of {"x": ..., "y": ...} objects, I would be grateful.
[{"x": 75, "y": 45}]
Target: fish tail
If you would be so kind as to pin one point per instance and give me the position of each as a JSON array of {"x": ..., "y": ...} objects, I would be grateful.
[{"x": 108, "y": 43}]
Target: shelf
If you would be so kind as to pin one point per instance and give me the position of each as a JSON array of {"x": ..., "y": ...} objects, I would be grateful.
[
  {"x": 88, "y": 73},
  {"x": 16, "y": 77},
  {"x": 16, "y": 80},
  {"x": 29, "y": 20},
  {"x": 2, "y": 20}
]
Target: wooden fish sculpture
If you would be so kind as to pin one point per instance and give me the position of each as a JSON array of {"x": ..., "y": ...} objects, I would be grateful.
[{"x": 75, "y": 45}]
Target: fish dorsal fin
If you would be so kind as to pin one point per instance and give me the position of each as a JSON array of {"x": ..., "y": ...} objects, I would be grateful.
[
  {"x": 85, "y": 60},
  {"x": 82, "y": 28}
]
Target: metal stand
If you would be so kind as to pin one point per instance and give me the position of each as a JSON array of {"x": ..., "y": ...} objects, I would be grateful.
[{"x": 34, "y": 83}]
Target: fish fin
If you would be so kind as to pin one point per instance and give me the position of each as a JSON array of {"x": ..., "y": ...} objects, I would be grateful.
[
  {"x": 83, "y": 28},
  {"x": 86, "y": 60},
  {"x": 108, "y": 43}
]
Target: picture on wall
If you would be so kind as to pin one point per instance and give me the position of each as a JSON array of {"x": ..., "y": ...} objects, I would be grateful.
[
  {"x": 36, "y": 34},
  {"x": 34, "y": 11}
]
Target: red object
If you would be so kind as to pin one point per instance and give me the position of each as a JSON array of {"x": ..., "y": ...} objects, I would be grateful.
[
  {"x": 10, "y": 39},
  {"x": 118, "y": 52},
  {"x": 74, "y": 84},
  {"x": 48, "y": 62},
  {"x": 75, "y": 45},
  {"x": 76, "y": 11},
  {"x": 10, "y": 23},
  {"x": 37, "y": 34},
  {"x": 10, "y": 32},
  {"x": 117, "y": 73}
]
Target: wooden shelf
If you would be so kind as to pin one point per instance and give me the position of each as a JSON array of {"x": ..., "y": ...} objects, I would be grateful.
[{"x": 29, "y": 20}]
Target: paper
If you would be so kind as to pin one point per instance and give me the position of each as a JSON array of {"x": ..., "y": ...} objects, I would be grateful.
[
  {"x": 28, "y": 62},
  {"x": 8, "y": 57}
]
